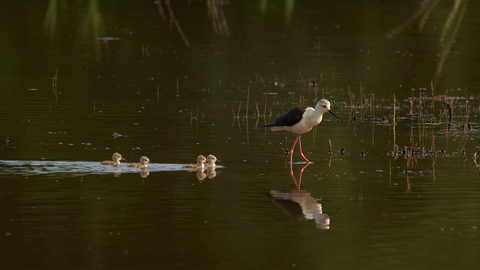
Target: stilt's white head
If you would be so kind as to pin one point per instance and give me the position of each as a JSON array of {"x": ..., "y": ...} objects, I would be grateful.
[{"x": 323, "y": 106}]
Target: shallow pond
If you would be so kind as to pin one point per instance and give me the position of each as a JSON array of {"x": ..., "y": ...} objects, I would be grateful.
[{"x": 183, "y": 78}]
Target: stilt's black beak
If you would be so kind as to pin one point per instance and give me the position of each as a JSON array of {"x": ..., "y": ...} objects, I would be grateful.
[{"x": 335, "y": 115}]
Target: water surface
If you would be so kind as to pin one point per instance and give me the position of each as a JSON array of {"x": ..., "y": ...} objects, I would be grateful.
[{"x": 175, "y": 89}]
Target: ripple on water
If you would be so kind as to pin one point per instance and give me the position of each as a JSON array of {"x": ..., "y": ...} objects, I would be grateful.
[{"x": 77, "y": 168}]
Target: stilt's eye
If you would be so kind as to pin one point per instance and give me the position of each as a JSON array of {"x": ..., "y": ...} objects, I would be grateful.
[{"x": 324, "y": 106}]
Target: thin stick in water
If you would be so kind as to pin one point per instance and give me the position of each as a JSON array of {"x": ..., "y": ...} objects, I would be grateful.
[
  {"x": 246, "y": 115},
  {"x": 196, "y": 118},
  {"x": 258, "y": 115},
  {"x": 191, "y": 118},
  {"x": 238, "y": 116},
  {"x": 54, "y": 85}
]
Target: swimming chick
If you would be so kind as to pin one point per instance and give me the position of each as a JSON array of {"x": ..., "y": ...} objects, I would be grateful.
[
  {"x": 200, "y": 163},
  {"x": 143, "y": 163},
  {"x": 115, "y": 160},
  {"x": 211, "y": 159}
]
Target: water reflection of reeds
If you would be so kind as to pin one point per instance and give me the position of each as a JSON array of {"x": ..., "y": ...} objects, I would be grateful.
[
  {"x": 217, "y": 17},
  {"x": 173, "y": 20},
  {"x": 425, "y": 7},
  {"x": 50, "y": 21},
  {"x": 449, "y": 32}
]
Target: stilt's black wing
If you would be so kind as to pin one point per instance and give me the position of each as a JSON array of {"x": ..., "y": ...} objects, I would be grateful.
[{"x": 289, "y": 118}]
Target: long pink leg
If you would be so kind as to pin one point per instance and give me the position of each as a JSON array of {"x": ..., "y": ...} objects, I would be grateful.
[
  {"x": 293, "y": 147},
  {"x": 301, "y": 152}
]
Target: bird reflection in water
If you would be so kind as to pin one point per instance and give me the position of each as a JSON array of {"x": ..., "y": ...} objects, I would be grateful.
[
  {"x": 204, "y": 164},
  {"x": 144, "y": 173},
  {"x": 209, "y": 173},
  {"x": 201, "y": 175},
  {"x": 300, "y": 204}
]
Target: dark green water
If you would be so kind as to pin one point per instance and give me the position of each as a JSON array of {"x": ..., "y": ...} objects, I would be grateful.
[{"x": 124, "y": 68}]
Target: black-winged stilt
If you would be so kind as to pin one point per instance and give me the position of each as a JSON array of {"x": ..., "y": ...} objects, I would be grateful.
[
  {"x": 299, "y": 120},
  {"x": 115, "y": 160}
]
